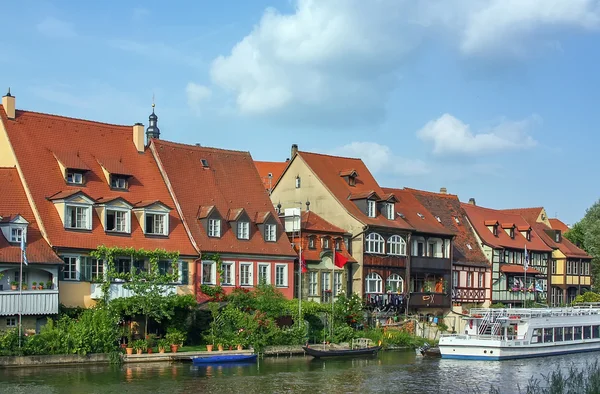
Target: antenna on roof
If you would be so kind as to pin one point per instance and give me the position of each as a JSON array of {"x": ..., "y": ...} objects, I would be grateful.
[
  {"x": 8, "y": 94},
  {"x": 153, "y": 104}
]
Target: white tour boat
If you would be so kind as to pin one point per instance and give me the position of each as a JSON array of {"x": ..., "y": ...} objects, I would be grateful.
[{"x": 499, "y": 334}]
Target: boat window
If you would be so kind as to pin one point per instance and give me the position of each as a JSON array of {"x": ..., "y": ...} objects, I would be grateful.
[
  {"x": 548, "y": 334},
  {"x": 577, "y": 333},
  {"x": 596, "y": 331},
  {"x": 587, "y": 332},
  {"x": 536, "y": 337},
  {"x": 558, "y": 334},
  {"x": 568, "y": 333}
]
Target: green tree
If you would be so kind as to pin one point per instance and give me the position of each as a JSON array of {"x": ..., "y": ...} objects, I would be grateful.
[{"x": 586, "y": 234}]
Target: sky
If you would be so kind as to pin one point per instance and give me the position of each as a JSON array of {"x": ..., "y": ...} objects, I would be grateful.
[{"x": 492, "y": 99}]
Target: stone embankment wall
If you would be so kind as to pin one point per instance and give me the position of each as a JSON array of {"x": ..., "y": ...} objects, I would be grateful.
[{"x": 22, "y": 361}]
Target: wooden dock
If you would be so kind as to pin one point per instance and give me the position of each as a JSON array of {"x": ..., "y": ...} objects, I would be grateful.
[{"x": 179, "y": 356}]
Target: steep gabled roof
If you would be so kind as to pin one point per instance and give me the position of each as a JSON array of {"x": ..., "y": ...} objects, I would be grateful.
[
  {"x": 529, "y": 214},
  {"x": 274, "y": 168},
  {"x": 415, "y": 213},
  {"x": 557, "y": 224},
  {"x": 13, "y": 202},
  {"x": 39, "y": 140},
  {"x": 448, "y": 208},
  {"x": 478, "y": 217},
  {"x": 327, "y": 168},
  {"x": 313, "y": 222},
  {"x": 229, "y": 181}
]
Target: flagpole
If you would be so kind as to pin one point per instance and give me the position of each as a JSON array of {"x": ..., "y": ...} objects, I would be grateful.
[
  {"x": 525, "y": 266},
  {"x": 332, "y": 287},
  {"x": 300, "y": 267},
  {"x": 21, "y": 290}
]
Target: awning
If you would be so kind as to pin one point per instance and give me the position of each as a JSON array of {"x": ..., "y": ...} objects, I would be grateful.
[{"x": 518, "y": 269}]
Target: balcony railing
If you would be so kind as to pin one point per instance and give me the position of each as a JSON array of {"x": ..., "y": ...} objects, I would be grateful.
[
  {"x": 468, "y": 294},
  {"x": 117, "y": 290},
  {"x": 429, "y": 300},
  {"x": 430, "y": 264},
  {"x": 34, "y": 302}
]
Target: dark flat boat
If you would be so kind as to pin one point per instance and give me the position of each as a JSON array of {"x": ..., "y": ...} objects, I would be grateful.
[
  {"x": 367, "y": 351},
  {"x": 229, "y": 358}
]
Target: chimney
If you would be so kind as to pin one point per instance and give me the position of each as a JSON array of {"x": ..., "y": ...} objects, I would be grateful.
[
  {"x": 138, "y": 137},
  {"x": 8, "y": 102},
  {"x": 443, "y": 190},
  {"x": 294, "y": 150},
  {"x": 472, "y": 201}
]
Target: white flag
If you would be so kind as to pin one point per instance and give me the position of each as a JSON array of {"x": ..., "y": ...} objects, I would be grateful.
[
  {"x": 526, "y": 262},
  {"x": 23, "y": 248}
]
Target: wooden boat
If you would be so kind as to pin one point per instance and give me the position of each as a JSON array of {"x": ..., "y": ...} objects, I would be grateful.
[
  {"x": 368, "y": 351},
  {"x": 225, "y": 358}
]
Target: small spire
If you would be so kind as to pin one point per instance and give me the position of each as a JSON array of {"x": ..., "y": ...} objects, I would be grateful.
[
  {"x": 8, "y": 94},
  {"x": 153, "y": 104}
]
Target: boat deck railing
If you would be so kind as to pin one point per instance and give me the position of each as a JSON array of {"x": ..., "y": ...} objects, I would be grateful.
[
  {"x": 506, "y": 338},
  {"x": 493, "y": 314}
]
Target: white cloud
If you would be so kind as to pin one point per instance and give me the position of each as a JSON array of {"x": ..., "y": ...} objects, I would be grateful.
[
  {"x": 381, "y": 160},
  {"x": 55, "y": 28},
  {"x": 450, "y": 136},
  {"x": 197, "y": 95}
]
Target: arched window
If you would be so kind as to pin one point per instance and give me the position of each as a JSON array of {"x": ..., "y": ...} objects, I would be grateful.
[
  {"x": 374, "y": 243},
  {"x": 394, "y": 284},
  {"x": 373, "y": 283},
  {"x": 397, "y": 245}
]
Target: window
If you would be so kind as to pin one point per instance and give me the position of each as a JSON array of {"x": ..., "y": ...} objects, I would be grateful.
[
  {"x": 70, "y": 268},
  {"x": 394, "y": 283},
  {"x": 389, "y": 211},
  {"x": 311, "y": 242},
  {"x": 298, "y": 182},
  {"x": 454, "y": 278},
  {"x": 228, "y": 275},
  {"x": 117, "y": 221},
  {"x": 396, "y": 245},
  {"x": 281, "y": 275},
  {"x": 243, "y": 230},
  {"x": 480, "y": 280},
  {"x": 11, "y": 322},
  {"x": 123, "y": 266},
  {"x": 371, "y": 208},
  {"x": 312, "y": 283},
  {"x": 557, "y": 236},
  {"x": 209, "y": 273},
  {"x": 569, "y": 264},
  {"x": 373, "y": 283},
  {"x": 270, "y": 232},
  {"x": 325, "y": 242},
  {"x": 495, "y": 230},
  {"x": 575, "y": 267},
  {"x": 214, "y": 228},
  {"x": 78, "y": 217},
  {"x": 74, "y": 177},
  {"x": 246, "y": 274},
  {"x": 325, "y": 282},
  {"x": 264, "y": 274},
  {"x": 338, "y": 278},
  {"x": 352, "y": 180},
  {"x": 587, "y": 268},
  {"x": 420, "y": 249},
  {"x": 156, "y": 223},
  {"x": 553, "y": 267},
  {"x": 511, "y": 232},
  {"x": 16, "y": 234},
  {"x": 469, "y": 279},
  {"x": 118, "y": 182},
  {"x": 375, "y": 243},
  {"x": 338, "y": 244},
  {"x": 97, "y": 270}
]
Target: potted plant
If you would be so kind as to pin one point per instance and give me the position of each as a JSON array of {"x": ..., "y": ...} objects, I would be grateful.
[
  {"x": 210, "y": 342},
  {"x": 33, "y": 285},
  {"x": 129, "y": 348},
  {"x": 41, "y": 286},
  {"x": 24, "y": 286},
  {"x": 139, "y": 345},
  {"x": 175, "y": 338},
  {"x": 151, "y": 339},
  {"x": 163, "y": 343},
  {"x": 49, "y": 285},
  {"x": 14, "y": 285}
]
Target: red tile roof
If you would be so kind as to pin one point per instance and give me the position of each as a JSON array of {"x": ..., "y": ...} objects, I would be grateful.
[
  {"x": 327, "y": 168},
  {"x": 230, "y": 182},
  {"x": 71, "y": 160},
  {"x": 518, "y": 269},
  {"x": 478, "y": 216},
  {"x": 557, "y": 224},
  {"x": 313, "y": 222},
  {"x": 13, "y": 202},
  {"x": 275, "y": 168},
  {"x": 114, "y": 166},
  {"x": 34, "y": 138},
  {"x": 529, "y": 214},
  {"x": 447, "y": 207},
  {"x": 415, "y": 213}
]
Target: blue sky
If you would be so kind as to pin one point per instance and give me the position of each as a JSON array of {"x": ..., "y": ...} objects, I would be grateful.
[{"x": 493, "y": 99}]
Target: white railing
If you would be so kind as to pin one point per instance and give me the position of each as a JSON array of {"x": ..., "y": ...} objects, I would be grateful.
[
  {"x": 117, "y": 290},
  {"x": 494, "y": 313},
  {"x": 34, "y": 302}
]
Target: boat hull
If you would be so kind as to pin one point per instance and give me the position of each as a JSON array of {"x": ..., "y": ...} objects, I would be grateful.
[
  {"x": 230, "y": 358},
  {"x": 369, "y": 351}
]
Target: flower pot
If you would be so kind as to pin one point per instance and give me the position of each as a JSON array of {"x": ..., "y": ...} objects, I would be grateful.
[
  {"x": 40, "y": 287},
  {"x": 240, "y": 347},
  {"x": 220, "y": 348},
  {"x": 138, "y": 351},
  {"x": 161, "y": 349},
  {"x": 129, "y": 350},
  {"x": 209, "y": 348},
  {"x": 149, "y": 350},
  {"x": 230, "y": 347},
  {"x": 13, "y": 287},
  {"x": 174, "y": 348}
]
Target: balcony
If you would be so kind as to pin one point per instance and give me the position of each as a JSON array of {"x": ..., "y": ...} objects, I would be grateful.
[
  {"x": 468, "y": 294},
  {"x": 117, "y": 290},
  {"x": 34, "y": 302},
  {"x": 429, "y": 300},
  {"x": 430, "y": 264},
  {"x": 506, "y": 296},
  {"x": 388, "y": 261}
]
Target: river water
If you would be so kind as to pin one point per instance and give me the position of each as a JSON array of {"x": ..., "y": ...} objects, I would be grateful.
[{"x": 390, "y": 372}]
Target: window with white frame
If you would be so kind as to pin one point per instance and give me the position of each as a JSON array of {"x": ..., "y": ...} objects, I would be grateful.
[
  {"x": 246, "y": 274},
  {"x": 575, "y": 264},
  {"x": 325, "y": 281},
  {"x": 553, "y": 267},
  {"x": 11, "y": 322},
  {"x": 587, "y": 268},
  {"x": 389, "y": 210},
  {"x": 209, "y": 273},
  {"x": 270, "y": 232},
  {"x": 97, "y": 270},
  {"x": 214, "y": 228},
  {"x": 16, "y": 234},
  {"x": 75, "y": 177},
  {"x": 156, "y": 223},
  {"x": 371, "y": 208},
  {"x": 118, "y": 182},
  {"x": 123, "y": 265},
  {"x": 311, "y": 242},
  {"x": 79, "y": 217},
  {"x": 70, "y": 268},
  {"x": 480, "y": 280},
  {"x": 394, "y": 283},
  {"x": 338, "y": 278},
  {"x": 228, "y": 275},
  {"x": 313, "y": 283},
  {"x": 455, "y": 279},
  {"x": 117, "y": 220},
  {"x": 396, "y": 245},
  {"x": 374, "y": 243},
  {"x": 338, "y": 244},
  {"x": 264, "y": 274},
  {"x": 325, "y": 242},
  {"x": 373, "y": 283},
  {"x": 569, "y": 264},
  {"x": 281, "y": 275},
  {"x": 469, "y": 279},
  {"x": 243, "y": 230}
]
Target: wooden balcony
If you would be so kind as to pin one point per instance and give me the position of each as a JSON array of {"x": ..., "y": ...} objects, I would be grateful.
[
  {"x": 468, "y": 294},
  {"x": 429, "y": 300},
  {"x": 117, "y": 290},
  {"x": 385, "y": 261},
  {"x": 436, "y": 265},
  {"x": 34, "y": 302}
]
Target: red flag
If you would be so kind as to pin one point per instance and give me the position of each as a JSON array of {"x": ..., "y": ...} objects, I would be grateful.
[
  {"x": 340, "y": 260},
  {"x": 303, "y": 265}
]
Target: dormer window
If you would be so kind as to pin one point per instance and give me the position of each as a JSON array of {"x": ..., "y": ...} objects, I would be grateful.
[
  {"x": 557, "y": 236},
  {"x": 495, "y": 230},
  {"x": 243, "y": 230},
  {"x": 511, "y": 232},
  {"x": 16, "y": 234},
  {"x": 214, "y": 228},
  {"x": 326, "y": 243},
  {"x": 352, "y": 181},
  {"x": 75, "y": 177},
  {"x": 371, "y": 208},
  {"x": 350, "y": 176},
  {"x": 118, "y": 182},
  {"x": 528, "y": 235},
  {"x": 118, "y": 220},
  {"x": 78, "y": 217},
  {"x": 311, "y": 242},
  {"x": 270, "y": 232},
  {"x": 389, "y": 211},
  {"x": 156, "y": 223}
]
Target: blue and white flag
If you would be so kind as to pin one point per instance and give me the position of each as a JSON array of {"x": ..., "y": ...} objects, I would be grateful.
[
  {"x": 526, "y": 262},
  {"x": 23, "y": 253}
]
